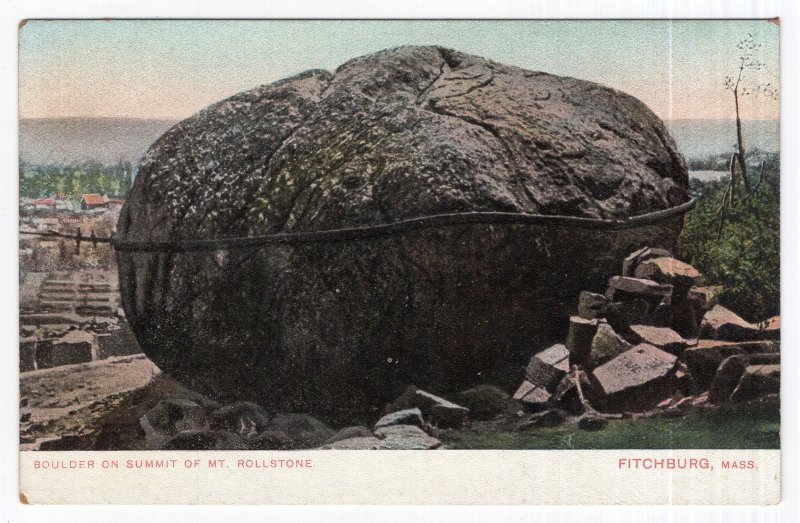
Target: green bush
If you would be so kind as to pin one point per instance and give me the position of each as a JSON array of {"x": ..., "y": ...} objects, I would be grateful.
[{"x": 744, "y": 257}]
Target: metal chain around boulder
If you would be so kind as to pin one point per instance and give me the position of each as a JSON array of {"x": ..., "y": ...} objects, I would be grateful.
[{"x": 367, "y": 232}]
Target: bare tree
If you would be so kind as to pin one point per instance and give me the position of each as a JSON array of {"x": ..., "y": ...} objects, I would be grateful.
[{"x": 748, "y": 49}]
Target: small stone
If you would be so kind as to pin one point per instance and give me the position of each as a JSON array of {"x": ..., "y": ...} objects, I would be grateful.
[
  {"x": 442, "y": 413},
  {"x": 627, "y": 286},
  {"x": 243, "y": 417},
  {"x": 546, "y": 368},
  {"x": 405, "y": 437},
  {"x": 169, "y": 417},
  {"x": 548, "y": 418},
  {"x": 359, "y": 431},
  {"x": 591, "y": 305},
  {"x": 304, "y": 430},
  {"x": 579, "y": 341},
  {"x": 686, "y": 382},
  {"x": 606, "y": 345},
  {"x": 566, "y": 395},
  {"x": 531, "y": 396},
  {"x": 700, "y": 400},
  {"x": 630, "y": 263},
  {"x": 756, "y": 381},
  {"x": 524, "y": 388},
  {"x": 402, "y": 417},
  {"x": 26, "y": 416},
  {"x": 662, "y": 337},
  {"x": 358, "y": 443},
  {"x": 205, "y": 440}
]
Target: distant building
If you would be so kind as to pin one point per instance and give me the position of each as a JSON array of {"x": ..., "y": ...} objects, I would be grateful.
[
  {"x": 44, "y": 203},
  {"x": 94, "y": 201}
]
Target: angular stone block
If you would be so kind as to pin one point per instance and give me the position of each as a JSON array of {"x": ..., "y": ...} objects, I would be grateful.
[
  {"x": 591, "y": 305},
  {"x": 631, "y": 261},
  {"x": 704, "y": 359},
  {"x": 546, "y": 368},
  {"x": 667, "y": 270},
  {"x": 637, "y": 379},
  {"x": 626, "y": 285},
  {"x": 758, "y": 380},
  {"x": 579, "y": 339},
  {"x": 439, "y": 411},
  {"x": 531, "y": 396},
  {"x": 405, "y": 437},
  {"x": 606, "y": 345},
  {"x": 722, "y": 324},
  {"x": 662, "y": 337},
  {"x": 402, "y": 417}
]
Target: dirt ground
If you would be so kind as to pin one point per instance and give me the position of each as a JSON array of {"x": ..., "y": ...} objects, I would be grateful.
[{"x": 67, "y": 400}]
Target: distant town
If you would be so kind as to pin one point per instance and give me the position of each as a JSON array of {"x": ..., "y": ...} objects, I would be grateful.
[{"x": 69, "y": 298}]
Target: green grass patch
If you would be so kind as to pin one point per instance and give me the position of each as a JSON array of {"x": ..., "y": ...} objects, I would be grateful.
[{"x": 751, "y": 426}]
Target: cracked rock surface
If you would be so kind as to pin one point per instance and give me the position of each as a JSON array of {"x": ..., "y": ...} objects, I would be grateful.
[{"x": 336, "y": 329}]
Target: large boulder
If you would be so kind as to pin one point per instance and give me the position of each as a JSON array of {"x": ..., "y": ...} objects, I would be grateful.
[{"x": 336, "y": 328}]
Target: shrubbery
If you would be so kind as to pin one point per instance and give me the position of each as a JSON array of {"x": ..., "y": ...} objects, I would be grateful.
[
  {"x": 75, "y": 179},
  {"x": 745, "y": 257}
]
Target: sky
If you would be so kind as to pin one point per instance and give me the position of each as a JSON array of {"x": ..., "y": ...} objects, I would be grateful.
[{"x": 172, "y": 69}]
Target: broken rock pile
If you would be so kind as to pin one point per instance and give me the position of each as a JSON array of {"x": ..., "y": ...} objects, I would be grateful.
[
  {"x": 186, "y": 424},
  {"x": 656, "y": 341}
]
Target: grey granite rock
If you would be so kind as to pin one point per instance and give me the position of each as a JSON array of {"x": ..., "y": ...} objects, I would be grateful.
[{"x": 333, "y": 328}]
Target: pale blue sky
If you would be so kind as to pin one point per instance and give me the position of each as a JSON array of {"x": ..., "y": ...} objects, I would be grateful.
[{"x": 171, "y": 69}]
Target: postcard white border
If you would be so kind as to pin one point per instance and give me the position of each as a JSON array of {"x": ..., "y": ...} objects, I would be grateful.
[{"x": 444, "y": 477}]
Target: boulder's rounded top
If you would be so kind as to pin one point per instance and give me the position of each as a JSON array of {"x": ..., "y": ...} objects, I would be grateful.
[{"x": 398, "y": 134}]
